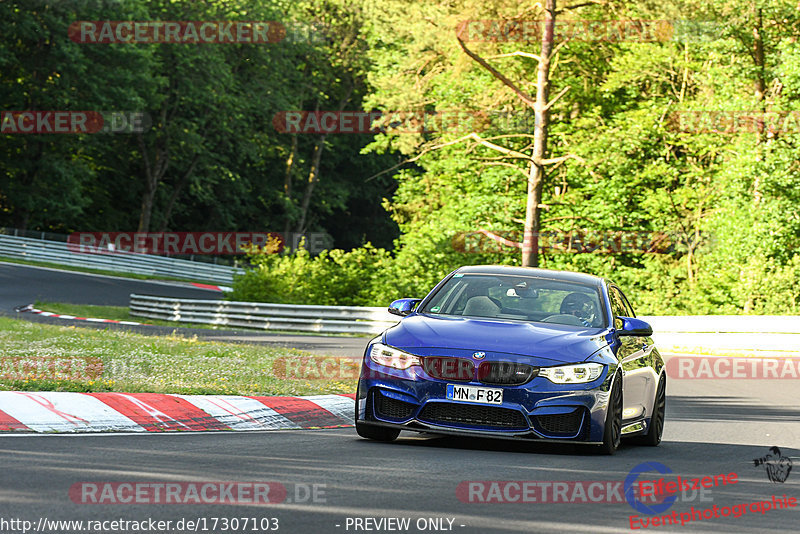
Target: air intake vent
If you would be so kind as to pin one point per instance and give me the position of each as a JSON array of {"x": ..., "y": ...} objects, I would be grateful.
[
  {"x": 471, "y": 415},
  {"x": 567, "y": 424},
  {"x": 389, "y": 408}
]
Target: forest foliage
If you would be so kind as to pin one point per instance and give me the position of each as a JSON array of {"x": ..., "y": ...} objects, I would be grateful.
[{"x": 688, "y": 140}]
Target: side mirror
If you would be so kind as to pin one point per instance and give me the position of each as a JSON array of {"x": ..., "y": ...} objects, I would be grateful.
[
  {"x": 403, "y": 307},
  {"x": 635, "y": 327}
]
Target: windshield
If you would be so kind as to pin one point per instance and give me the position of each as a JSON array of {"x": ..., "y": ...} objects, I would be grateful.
[{"x": 524, "y": 298}]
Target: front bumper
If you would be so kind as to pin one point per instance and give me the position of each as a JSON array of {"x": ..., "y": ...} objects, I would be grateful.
[{"x": 538, "y": 410}]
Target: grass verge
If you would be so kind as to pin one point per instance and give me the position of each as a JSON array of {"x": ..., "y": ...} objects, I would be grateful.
[{"x": 41, "y": 357}]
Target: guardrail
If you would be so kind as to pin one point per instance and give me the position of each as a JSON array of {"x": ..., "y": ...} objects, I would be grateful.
[
  {"x": 302, "y": 318},
  {"x": 123, "y": 262},
  {"x": 734, "y": 333},
  {"x": 672, "y": 333},
  {"x": 754, "y": 324}
]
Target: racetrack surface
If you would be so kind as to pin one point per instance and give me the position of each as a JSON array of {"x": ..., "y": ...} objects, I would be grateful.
[
  {"x": 713, "y": 427},
  {"x": 23, "y": 284}
]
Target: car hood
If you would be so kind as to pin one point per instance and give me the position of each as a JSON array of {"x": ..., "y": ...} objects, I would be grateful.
[{"x": 558, "y": 343}]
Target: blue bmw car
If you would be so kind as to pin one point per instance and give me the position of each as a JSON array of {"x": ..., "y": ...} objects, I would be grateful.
[{"x": 514, "y": 352}]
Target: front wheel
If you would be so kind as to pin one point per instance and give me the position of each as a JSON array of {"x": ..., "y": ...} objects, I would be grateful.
[
  {"x": 612, "y": 430},
  {"x": 653, "y": 436},
  {"x": 377, "y": 433}
]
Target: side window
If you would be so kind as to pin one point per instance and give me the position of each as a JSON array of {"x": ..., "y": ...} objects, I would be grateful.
[
  {"x": 628, "y": 307},
  {"x": 617, "y": 306},
  {"x": 442, "y": 302},
  {"x": 454, "y": 298}
]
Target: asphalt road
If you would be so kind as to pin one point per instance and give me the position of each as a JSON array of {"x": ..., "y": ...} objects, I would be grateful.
[
  {"x": 712, "y": 428},
  {"x": 23, "y": 284}
]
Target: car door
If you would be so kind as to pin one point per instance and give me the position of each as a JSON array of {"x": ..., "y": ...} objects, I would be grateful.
[
  {"x": 650, "y": 361},
  {"x": 632, "y": 354}
]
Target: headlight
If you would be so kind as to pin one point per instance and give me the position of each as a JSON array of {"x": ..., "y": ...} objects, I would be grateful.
[
  {"x": 572, "y": 374},
  {"x": 392, "y": 357}
]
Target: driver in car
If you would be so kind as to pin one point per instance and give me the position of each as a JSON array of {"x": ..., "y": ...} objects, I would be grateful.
[{"x": 580, "y": 306}]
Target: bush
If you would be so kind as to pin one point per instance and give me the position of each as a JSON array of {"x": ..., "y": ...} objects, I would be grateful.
[{"x": 335, "y": 277}]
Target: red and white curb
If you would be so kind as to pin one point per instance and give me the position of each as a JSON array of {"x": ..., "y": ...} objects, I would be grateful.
[
  {"x": 57, "y": 411},
  {"x": 31, "y": 309},
  {"x": 212, "y": 287}
]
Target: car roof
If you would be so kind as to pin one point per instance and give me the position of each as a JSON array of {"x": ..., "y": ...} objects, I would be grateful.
[{"x": 567, "y": 276}]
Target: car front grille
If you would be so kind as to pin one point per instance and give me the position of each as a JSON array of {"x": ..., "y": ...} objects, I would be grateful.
[
  {"x": 506, "y": 373},
  {"x": 472, "y": 415},
  {"x": 566, "y": 424},
  {"x": 392, "y": 408},
  {"x": 446, "y": 368}
]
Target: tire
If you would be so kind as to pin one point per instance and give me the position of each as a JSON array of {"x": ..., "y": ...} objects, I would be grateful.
[
  {"x": 653, "y": 436},
  {"x": 377, "y": 433},
  {"x": 612, "y": 429}
]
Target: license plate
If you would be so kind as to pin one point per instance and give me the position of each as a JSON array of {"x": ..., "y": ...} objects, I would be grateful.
[{"x": 474, "y": 394}]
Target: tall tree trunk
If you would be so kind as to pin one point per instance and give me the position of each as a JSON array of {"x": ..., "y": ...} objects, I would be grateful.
[
  {"x": 313, "y": 178},
  {"x": 530, "y": 241},
  {"x": 287, "y": 184},
  {"x": 146, "y": 210},
  {"x": 22, "y": 216},
  {"x": 153, "y": 173},
  {"x": 176, "y": 191},
  {"x": 313, "y": 174},
  {"x": 759, "y": 93}
]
